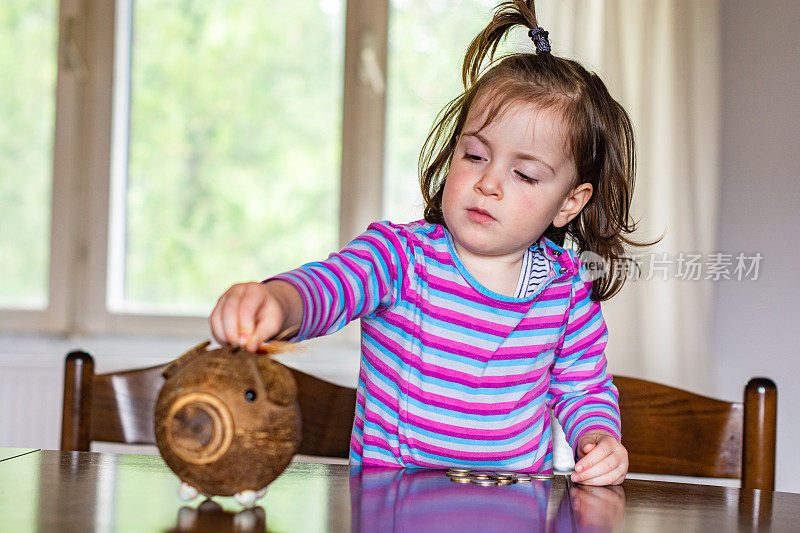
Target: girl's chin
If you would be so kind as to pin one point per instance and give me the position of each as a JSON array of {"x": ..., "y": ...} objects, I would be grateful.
[{"x": 480, "y": 247}]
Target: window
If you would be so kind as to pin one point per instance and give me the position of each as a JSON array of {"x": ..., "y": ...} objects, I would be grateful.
[
  {"x": 28, "y": 31},
  {"x": 229, "y": 165},
  {"x": 187, "y": 146}
]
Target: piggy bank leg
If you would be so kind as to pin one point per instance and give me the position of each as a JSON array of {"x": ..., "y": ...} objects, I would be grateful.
[
  {"x": 187, "y": 492},
  {"x": 187, "y": 519},
  {"x": 254, "y": 519},
  {"x": 246, "y": 498}
]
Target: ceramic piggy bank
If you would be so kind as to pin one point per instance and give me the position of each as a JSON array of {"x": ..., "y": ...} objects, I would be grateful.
[{"x": 227, "y": 422}]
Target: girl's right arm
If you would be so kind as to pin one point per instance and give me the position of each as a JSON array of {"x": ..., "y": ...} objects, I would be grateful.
[
  {"x": 366, "y": 276},
  {"x": 249, "y": 313}
]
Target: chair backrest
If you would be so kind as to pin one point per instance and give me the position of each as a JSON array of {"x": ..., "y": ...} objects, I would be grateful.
[
  {"x": 119, "y": 407},
  {"x": 673, "y": 431}
]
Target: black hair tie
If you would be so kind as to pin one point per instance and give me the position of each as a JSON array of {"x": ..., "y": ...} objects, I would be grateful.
[{"x": 539, "y": 37}]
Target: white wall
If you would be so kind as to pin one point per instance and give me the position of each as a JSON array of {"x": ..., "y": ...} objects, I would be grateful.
[{"x": 760, "y": 211}]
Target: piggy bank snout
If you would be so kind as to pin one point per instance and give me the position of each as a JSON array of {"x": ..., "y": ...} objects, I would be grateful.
[{"x": 199, "y": 428}]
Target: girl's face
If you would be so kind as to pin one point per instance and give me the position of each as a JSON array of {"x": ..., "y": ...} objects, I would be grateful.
[{"x": 508, "y": 181}]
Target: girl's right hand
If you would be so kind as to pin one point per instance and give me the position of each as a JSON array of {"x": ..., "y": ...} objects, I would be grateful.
[{"x": 248, "y": 314}]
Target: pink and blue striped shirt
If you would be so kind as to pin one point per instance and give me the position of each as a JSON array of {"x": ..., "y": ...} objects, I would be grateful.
[{"x": 453, "y": 374}]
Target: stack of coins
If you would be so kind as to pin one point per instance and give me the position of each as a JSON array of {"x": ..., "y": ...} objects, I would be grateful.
[
  {"x": 459, "y": 475},
  {"x": 489, "y": 478},
  {"x": 505, "y": 478},
  {"x": 481, "y": 475}
]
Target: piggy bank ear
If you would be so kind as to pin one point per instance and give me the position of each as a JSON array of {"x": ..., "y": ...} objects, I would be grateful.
[
  {"x": 278, "y": 381},
  {"x": 185, "y": 358}
]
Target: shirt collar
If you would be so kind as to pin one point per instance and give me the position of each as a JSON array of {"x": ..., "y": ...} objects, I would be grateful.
[{"x": 565, "y": 264}]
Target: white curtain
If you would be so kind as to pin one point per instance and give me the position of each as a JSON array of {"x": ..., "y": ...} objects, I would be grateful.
[{"x": 661, "y": 60}]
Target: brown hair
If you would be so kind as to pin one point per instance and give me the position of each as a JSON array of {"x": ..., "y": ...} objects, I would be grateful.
[{"x": 600, "y": 138}]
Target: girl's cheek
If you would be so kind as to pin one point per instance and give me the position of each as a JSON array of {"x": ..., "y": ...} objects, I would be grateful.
[{"x": 447, "y": 196}]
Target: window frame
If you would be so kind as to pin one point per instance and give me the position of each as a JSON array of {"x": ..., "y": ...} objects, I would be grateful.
[{"x": 82, "y": 165}]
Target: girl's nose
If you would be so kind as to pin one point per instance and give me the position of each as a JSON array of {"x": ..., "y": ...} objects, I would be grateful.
[{"x": 490, "y": 183}]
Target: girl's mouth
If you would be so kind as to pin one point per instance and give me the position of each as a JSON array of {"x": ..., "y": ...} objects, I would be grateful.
[{"x": 479, "y": 215}]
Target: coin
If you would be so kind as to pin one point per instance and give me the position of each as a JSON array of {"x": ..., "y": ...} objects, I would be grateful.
[
  {"x": 461, "y": 479},
  {"x": 506, "y": 481},
  {"x": 485, "y": 482},
  {"x": 524, "y": 478},
  {"x": 542, "y": 477},
  {"x": 482, "y": 475},
  {"x": 459, "y": 471},
  {"x": 505, "y": 475}
]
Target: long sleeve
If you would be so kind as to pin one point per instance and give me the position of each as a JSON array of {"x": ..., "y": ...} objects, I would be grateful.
[
  {"x": 364, "y": 278},
  {"x": 581, "y": 393}
]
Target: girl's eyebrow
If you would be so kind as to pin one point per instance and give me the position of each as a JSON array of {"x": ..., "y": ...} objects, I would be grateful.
[{"x": 518, "y": 155}]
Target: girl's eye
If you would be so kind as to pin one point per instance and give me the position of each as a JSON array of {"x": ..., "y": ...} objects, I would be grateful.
[
  {"x": 472, "y": 157},
  {"x": 525, "y": 178}
]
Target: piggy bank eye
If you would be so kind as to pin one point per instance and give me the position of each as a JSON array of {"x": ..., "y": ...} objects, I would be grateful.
[{"x": 250, "y": 395}]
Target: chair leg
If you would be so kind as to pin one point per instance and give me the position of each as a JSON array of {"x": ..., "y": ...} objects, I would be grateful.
[
  {"x": 76, "y": 414},
  {"x": 758, "y": 444}
]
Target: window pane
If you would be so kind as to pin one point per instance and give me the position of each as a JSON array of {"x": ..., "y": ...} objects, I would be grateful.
[
  {"x": 427, "y": 41},
  {"x": 28, "y": 30},
  {"x": 233, "y": 157}
]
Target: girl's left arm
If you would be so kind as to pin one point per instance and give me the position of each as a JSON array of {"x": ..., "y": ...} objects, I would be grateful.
[{"x": 582, "y": 394}]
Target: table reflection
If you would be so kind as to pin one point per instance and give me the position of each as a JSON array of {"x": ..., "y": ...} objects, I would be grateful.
[
  {"x": 755, "y": 509},
  {"x": 597, "y": 508},
  {"x": 210, "y": 517},
  {"x": 416, "y": 500}
]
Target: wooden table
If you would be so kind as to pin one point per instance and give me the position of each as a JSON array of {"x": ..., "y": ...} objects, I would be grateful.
[{"x": 81, "y": 491}]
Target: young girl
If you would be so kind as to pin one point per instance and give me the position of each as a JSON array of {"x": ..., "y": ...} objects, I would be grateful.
[{"x": 477, "y": 319}]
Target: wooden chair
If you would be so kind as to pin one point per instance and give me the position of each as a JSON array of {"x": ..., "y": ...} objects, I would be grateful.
[
  {"x": 119, "y": 406},
  {"x": 673, "y": 431}
]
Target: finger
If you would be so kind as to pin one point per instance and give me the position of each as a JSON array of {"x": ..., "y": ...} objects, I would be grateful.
[
  {"x": 608, "y": 464},
  {"x": 215, "y": 321},
  {"x": 588, "y": 442},
  {"x": 252, "y": 300},
  {"x": 623, "y": 471},
  {"x": 591, "y": 460},
  {"x": 230, "y": 314},
  {"x": 266, "y": 328},
  {"x": 597, "y": 454},
  {"x": 609, "y": 478}
]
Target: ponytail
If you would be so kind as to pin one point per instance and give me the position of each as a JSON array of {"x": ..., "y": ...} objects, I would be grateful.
[{"x": 484, "y": 45}]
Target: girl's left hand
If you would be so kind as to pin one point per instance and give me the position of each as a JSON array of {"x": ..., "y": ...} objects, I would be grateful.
[{"x": 603, "y": 460}]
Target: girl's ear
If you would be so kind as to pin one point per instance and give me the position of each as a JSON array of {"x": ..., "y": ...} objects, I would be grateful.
[{"x": 573, "y": 203}]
